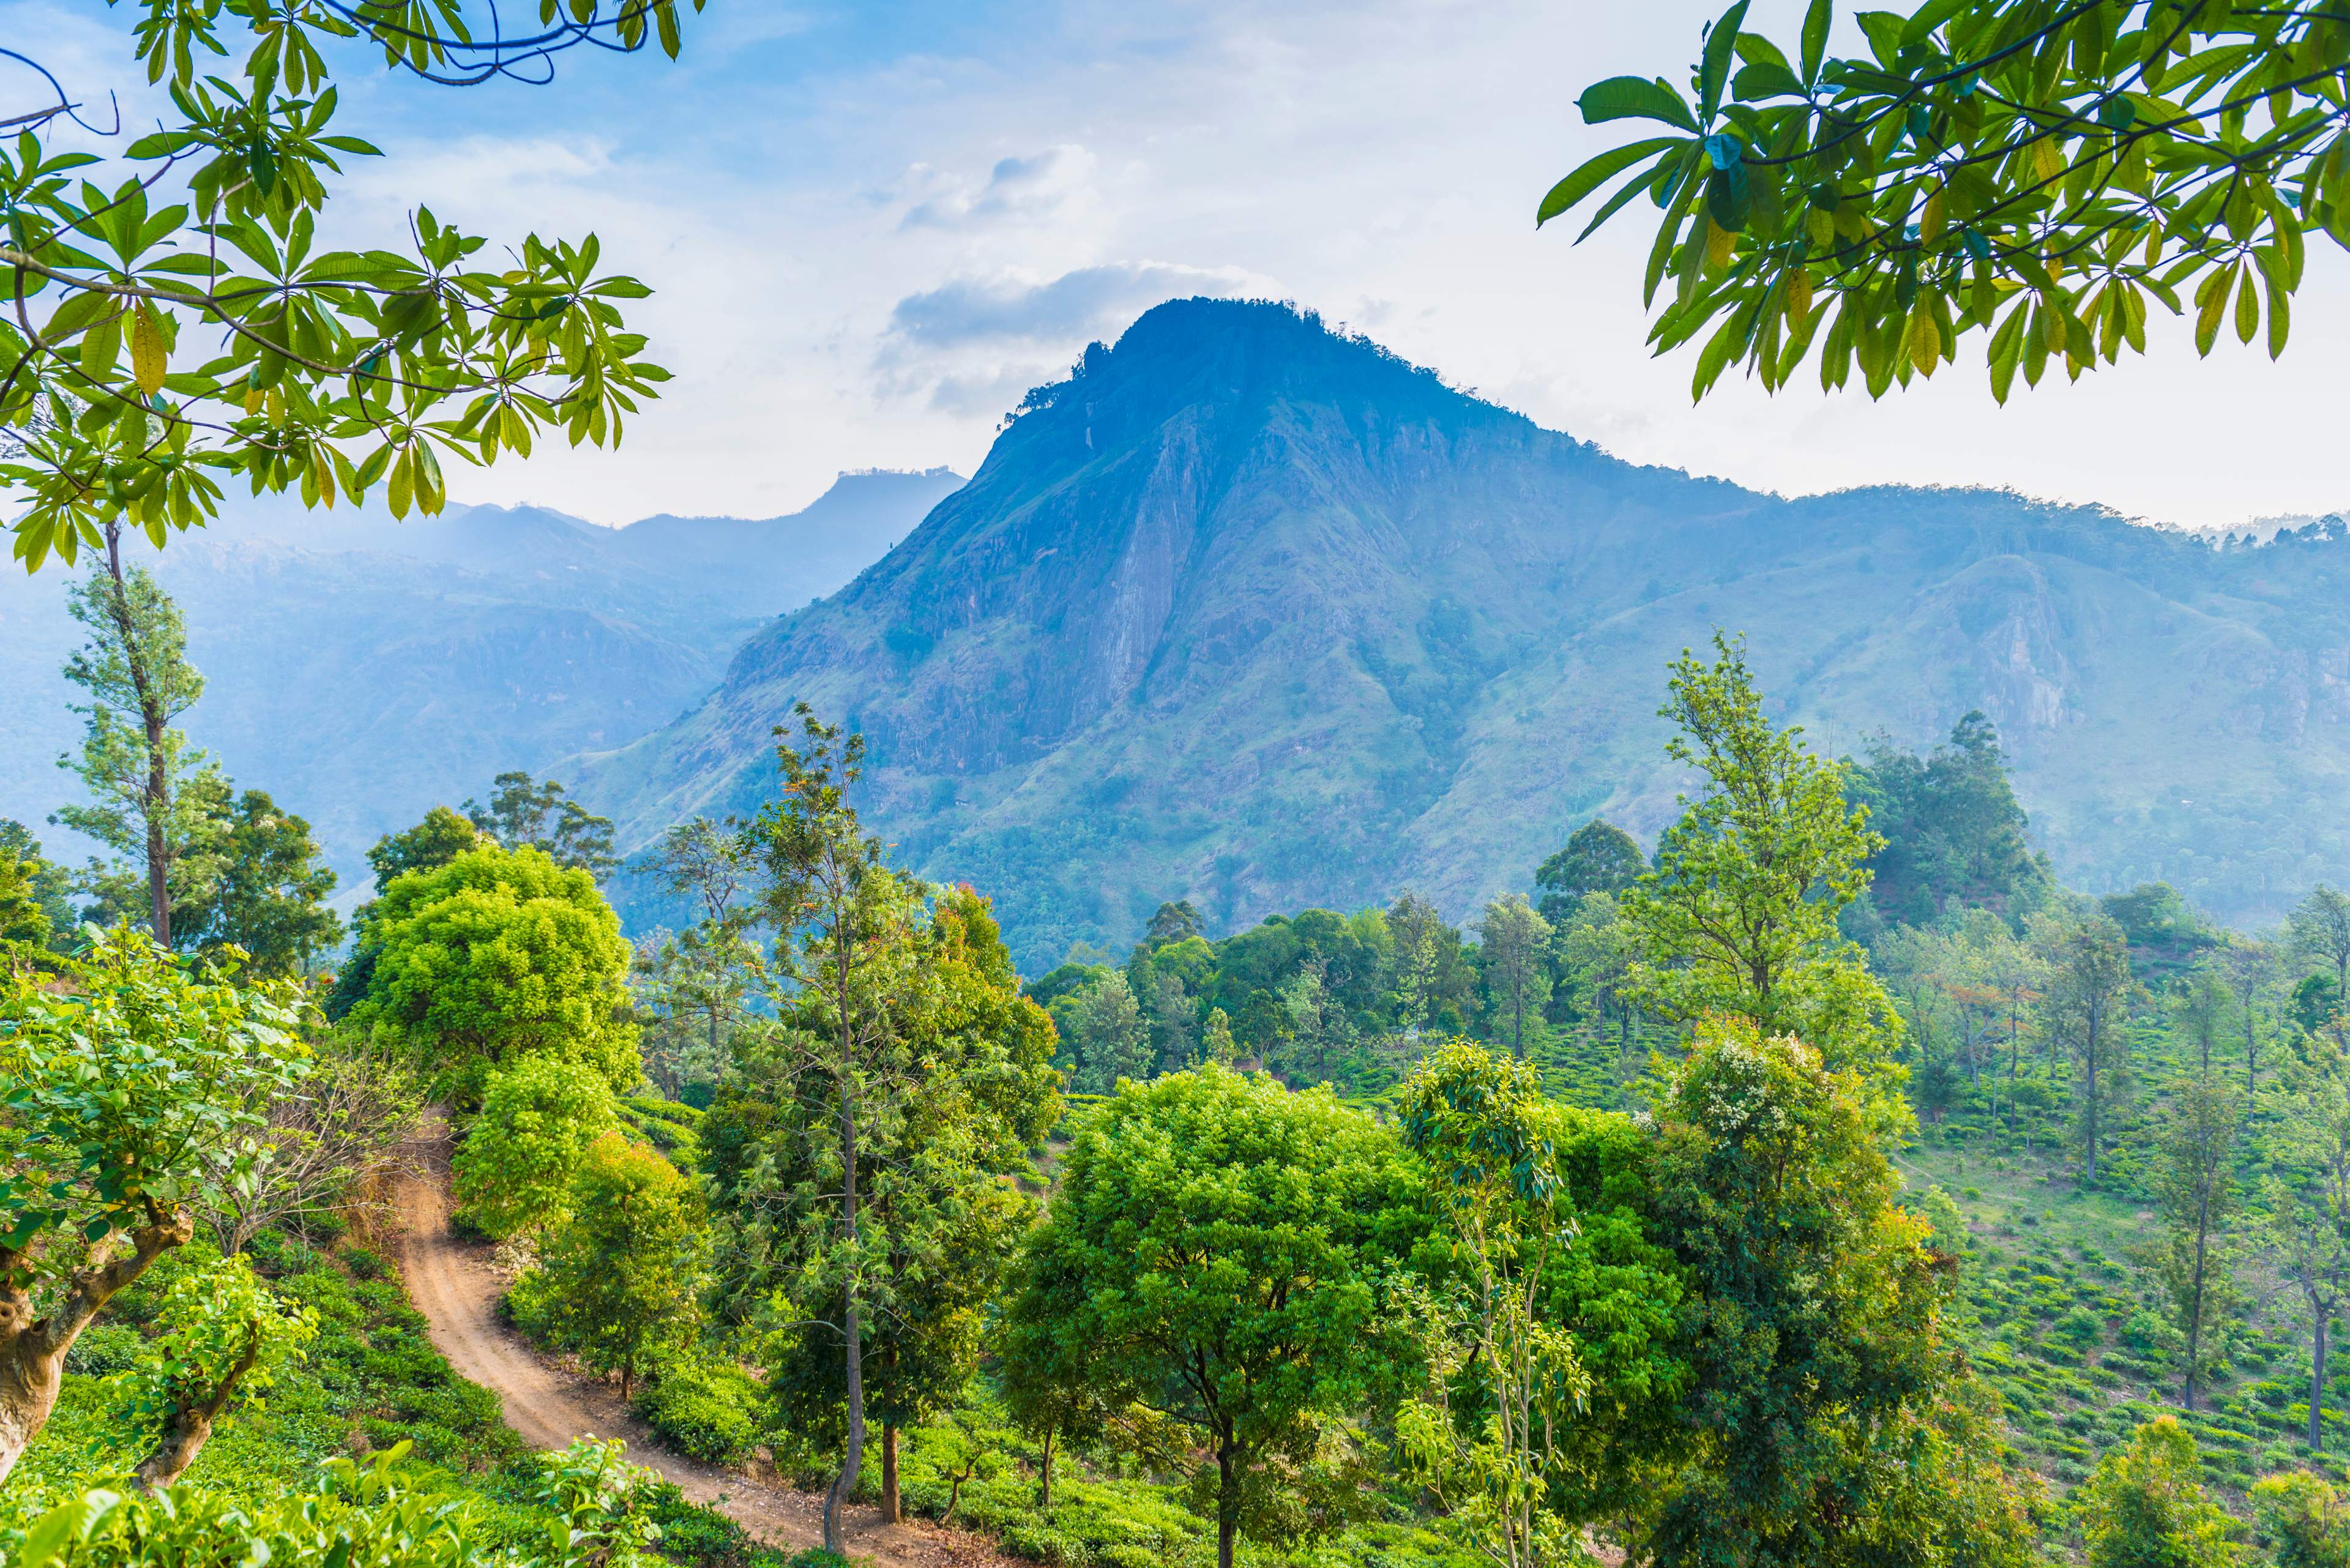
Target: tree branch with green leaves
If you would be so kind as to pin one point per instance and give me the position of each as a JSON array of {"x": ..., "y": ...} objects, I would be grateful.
[
  {"x": 2042, "y": 171},
  {"x": 185, "y": 325}
]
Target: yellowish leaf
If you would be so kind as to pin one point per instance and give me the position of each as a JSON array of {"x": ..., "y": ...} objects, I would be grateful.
[{"x": 148, "y": 358}]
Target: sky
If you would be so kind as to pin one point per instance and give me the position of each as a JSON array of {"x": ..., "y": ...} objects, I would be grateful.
[{"x": 871, "y": 227}]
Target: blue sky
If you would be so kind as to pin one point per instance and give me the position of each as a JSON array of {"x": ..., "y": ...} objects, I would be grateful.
[{"x": 873, "y": 226}]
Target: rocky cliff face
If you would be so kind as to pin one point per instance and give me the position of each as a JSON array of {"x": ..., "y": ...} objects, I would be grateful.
[{"x": 1258, "y": 614}]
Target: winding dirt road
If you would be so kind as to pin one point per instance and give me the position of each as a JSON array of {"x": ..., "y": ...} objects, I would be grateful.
[{"x": 451, "y": 1285}]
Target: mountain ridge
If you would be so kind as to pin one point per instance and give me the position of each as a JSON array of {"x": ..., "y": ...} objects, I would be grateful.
[
  {"x": 1252, "y": 612},
  {"x": 362, "y": 669}
]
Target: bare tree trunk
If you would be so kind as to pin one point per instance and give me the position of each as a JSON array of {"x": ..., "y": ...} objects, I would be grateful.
[
  {"x": 1044, "y": 1471},
  {"x": 33, "y": 1350},
  {"x": 892, "y": 1510}
]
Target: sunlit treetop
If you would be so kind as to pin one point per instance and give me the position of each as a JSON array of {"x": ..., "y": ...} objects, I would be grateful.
[
  {"x": 178, "y": 321},
  {"x": 2039, "y": 171}
]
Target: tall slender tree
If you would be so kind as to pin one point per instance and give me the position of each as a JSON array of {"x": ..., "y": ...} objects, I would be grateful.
[
  {"x": 2308, "y": 1201},
  {"x": 2196, "y": 1182},
  {"x": 2249, "y": 965},
  {"x": 153, "y": 801},
  {"x": 522, "y": 811},
  {"x": 2086, "y": 1011},
  {"x": 1512, "y": 939},
  {"x": 705, "y": 973},
  {"x": 1740, "y": 915},
  {"x": 838, "y": 916}
]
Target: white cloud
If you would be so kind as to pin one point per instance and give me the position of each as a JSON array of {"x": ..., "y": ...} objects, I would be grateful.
[
  {"x": 1040, "y": 187},
  {"x": 1088, "y": 302}
]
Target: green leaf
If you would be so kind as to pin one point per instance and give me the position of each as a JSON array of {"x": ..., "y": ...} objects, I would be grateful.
[
  {"x": 2280, "y": 316},
  {"x": 1715, "y": 357},
  {"x": 1593, "y": 174},
  {"x": 50, "y": 1532},
  {"x": 1725, "y": 197},
  {"x": 1634, "y": 97},
  {"x": 1763, "y": 80},
  {"x": 1929, "y": 16},
  {"x": 99, "y": 346},
  {"x": 1713, "y": 71},
  {"x": 2006, "y": 347},
  {"x": 1883, "y": 29},
  {"x": 1816, "y": 36}
]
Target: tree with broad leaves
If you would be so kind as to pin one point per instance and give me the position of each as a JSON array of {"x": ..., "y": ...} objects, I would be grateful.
[
  {"x": 132, "y": 1104},
  {"x": 2041, "y": 171},
  {"x": 1223, "y": 1247},
  {"x": 438, "y": 839},
  {"x": 270, "y": 898},
  {"x": 1598, "y": 857},
  {"x": 324, "y": 371},
  {"x": 225, "y": 1337}
]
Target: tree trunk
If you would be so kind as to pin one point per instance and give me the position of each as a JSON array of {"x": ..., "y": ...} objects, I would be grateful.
[
  {"x": 1228, "y": 1505},
  {"x": 892, "y": 1510},
  {"x": 2195, "y": 1298},
  {"x": 1045, "y": 1472},
  {"x": 191, "y": 1426},
  {"x": 183, "y": 1438},
  {"x": 33, "y": 1350},
  {"x": 2317, "y": 1383}
]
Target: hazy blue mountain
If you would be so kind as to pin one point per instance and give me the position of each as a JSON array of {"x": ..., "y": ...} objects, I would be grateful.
[
  {"x": 361, "y": 669},
  {"x": 1262, "y": 616}
]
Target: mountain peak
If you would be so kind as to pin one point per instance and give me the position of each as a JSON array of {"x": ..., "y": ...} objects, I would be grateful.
[{"x": 1188, "y": 351}]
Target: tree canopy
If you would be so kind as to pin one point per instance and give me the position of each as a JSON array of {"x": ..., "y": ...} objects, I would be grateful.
[
  {"x": 1215, "y": 1239},
  {"x": 499, "y": 953}
]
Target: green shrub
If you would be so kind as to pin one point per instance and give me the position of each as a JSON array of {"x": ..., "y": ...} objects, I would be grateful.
[
  {"x": 364, "y": 1265},
  {"x": 691, "y": 1532},
  {"x": 706, "y": 1411},
  {"x": 105, "y": 1349},
  {"x": 2080, "y": 1327}
]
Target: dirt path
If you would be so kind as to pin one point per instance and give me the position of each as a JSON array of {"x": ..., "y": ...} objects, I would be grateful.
[{"x": 453, "y": 1286}]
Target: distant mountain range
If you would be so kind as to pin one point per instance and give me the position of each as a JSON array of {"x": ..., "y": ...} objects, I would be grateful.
[
  {"x": 361, "y": 669},
  {"x": 1261, "y": 614}
]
